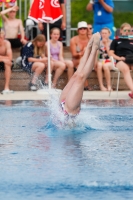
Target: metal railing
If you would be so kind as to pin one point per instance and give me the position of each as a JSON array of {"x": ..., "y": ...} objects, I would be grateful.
[{"x": 24, "y": 7}]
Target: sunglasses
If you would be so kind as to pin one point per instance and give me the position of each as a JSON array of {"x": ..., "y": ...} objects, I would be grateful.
[
  {"x": 128, "y": 30},
  {"x": 83, "y": 28}
]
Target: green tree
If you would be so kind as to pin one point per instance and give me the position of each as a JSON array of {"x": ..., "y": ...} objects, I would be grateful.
[{"x": 79, "y": 13}]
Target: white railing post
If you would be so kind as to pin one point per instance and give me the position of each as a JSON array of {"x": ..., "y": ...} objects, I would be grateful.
[
  {"x": 68, "y": 22},
  {"x": 20, "y": 9}
]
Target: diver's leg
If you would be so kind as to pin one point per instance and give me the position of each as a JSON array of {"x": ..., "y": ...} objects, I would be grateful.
[
  {"x": 80, "y": 68},
  {"x": 74, "y": 97}
]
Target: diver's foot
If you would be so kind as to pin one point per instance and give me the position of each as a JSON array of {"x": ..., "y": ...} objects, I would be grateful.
[
  {"x": 90, "y": 41},
  {"x": 86, "y": 53},
  {"x": 96, "y": 40}
]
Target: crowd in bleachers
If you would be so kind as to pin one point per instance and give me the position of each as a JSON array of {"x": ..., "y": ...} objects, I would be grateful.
[{"x": 34, "y": 54}]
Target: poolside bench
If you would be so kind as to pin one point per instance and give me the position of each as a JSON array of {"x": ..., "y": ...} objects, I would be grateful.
[{"x": 20, "y": 79}]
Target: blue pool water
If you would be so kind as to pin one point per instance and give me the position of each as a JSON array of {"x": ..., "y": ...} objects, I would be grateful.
[{"x": 41, "y": 158}]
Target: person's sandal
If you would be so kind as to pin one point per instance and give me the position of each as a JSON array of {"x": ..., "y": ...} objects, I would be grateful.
[
  {"x": 130, "y": 95},
  {"x": 32, "y": 87},
  {"x": 7, "y": 92}
]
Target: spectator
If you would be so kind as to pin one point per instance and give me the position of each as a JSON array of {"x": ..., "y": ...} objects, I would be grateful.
[
  {"x": 13, "y": 27},
  {"x": 103, "y": 16},
  {"x": 61, "y": 23},
  {"x": 104, "y": 64},
  {"x": 90, "y": 31},
  {"x": 78, "y": 44},
  {"x": 56, "y": 51},
  {"x": 5, "y": 61},
  {"x": 122, "y": 52},
  {"x": 33, "y": 59}
]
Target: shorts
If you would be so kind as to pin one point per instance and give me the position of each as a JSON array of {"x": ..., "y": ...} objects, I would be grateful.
[
  {"x": 2, "y": 66},
  {"x": 103, "y": 61},
  {"x": 15, "y": 43}
]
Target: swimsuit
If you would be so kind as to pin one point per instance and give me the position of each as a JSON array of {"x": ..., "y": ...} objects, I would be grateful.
[
  {"x": 68, "y": 115},
  {"x": 55, "y": 51}
]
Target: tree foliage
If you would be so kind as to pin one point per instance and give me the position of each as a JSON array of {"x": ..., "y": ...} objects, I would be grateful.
[{"x": 79, "y": 13}]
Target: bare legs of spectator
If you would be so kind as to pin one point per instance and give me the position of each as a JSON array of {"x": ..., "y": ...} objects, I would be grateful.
[
  {"x": 7, "y": 74},
  {"x": 51, "y": 69},
  {"x": 124, "y": 68},
  {"x": 37, "y": 68},
  {"x": 70, "y": 68},
  {"x": 106, "y": 68},
  {"x": 59, "y": 68}
]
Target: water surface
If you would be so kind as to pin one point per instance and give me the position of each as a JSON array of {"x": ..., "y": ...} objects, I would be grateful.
[{"x": 40, "y": 158}]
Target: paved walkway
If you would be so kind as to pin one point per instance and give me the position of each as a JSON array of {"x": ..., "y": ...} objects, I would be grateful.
[{"x": 46, "y": 94}]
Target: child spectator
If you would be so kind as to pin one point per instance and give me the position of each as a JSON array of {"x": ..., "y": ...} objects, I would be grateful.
[
  {"x": 33, "y": 59},
  {"x": 13, "y": 27},
  {"x": 59, "y": 63},
  {"x": 104, "y": 64}
]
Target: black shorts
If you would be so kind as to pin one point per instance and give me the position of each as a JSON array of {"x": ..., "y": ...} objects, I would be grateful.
[
  {"x": 15, "y": 43},
  {"x": 2, "y": 67}
]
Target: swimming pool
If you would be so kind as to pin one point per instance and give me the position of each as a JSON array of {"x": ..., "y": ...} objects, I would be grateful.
[{"x": 41, "y": 160}]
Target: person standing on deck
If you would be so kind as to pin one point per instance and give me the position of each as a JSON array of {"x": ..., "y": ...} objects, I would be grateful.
[
  {"x": 13, "y": 27},
  {"x": 103, "y": 16}
]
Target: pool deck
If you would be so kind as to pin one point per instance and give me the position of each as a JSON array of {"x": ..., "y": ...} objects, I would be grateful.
[{"x": 45, "y": 95}]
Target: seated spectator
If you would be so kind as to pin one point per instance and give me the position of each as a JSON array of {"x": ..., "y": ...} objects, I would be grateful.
[
  {"x": 59, "y": 63},
  {"x": 13, "y": 27},
  {"x": 78, "y": 44},
  {"x": 122, "y": 52},
  {"x": 5, "y": 61},
  {"x": 90, "y": 31},
  {"x": 33, "y": 59},
  {"x": 104, "y": 64}
]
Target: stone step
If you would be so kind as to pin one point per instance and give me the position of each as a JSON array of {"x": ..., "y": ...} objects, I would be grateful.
[{"x": 20, "y": 80}]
